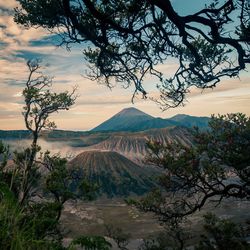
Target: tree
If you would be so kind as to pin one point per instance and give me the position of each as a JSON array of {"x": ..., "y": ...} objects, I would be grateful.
[
  {"x": 91, "y": 243},
  {"x": 222, "y": 234},
  {"x": 118, "y": 235},
  {"x": 64, "y": 183},
  {"x": 24, "y": 223},
  {"x": 218, "y": 234},
  {"x": 29, "y": 218},
  {"x": 125, "y": 41},
  {"x": 40, "y": 103},
  {"x": 173, "y": 237},
  {"x": 216, "y": 167}
]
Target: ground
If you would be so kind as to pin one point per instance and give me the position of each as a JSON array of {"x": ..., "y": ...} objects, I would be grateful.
[{"x": 90, "y": 218}]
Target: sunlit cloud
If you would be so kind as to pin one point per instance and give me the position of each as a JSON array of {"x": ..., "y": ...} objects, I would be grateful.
[{"x": 10, "y": 4}]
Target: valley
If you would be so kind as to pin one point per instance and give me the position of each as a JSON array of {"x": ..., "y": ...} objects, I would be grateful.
[
  {"x": 115, "y": 160},
  {"x": 123, "y": 135},
  {"x": 91, "y": 218}
]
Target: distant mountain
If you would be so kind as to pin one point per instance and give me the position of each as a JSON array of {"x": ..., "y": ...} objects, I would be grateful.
[
  {"x": 16, "y": 134},
  {"x": 133, "y": 144},
  {"x": 190, "y": 121},
  {"x": 125, "y": 120},
  {"x": 72, "y": 138},
  {"x": 152, "y": 124},
  {"x": 115, "y": 174},
  {"x": 132, "y": 119}
]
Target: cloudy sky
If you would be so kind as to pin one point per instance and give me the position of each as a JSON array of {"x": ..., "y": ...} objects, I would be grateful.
[{"x": 95, "y": 103}]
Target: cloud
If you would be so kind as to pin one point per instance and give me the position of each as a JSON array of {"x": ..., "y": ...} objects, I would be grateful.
[
  {"x": 9, "y": 5},
  {"x": 104, "y": 100},
  {"x": 46, "y": 41},
  {"x": 29, "y": 55}
]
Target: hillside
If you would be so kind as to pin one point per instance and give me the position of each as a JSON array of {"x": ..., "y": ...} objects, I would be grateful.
[
  {"x": 152, "y": 124},
  {"x": 133, "y": 145},
  {"x": 115, "y": 174}
]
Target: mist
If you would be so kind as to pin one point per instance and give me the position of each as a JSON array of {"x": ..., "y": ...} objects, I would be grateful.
[{"x": 63, "y": 148}]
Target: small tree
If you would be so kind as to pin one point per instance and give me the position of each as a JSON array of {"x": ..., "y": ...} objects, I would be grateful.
[
  {"x": 222, "y": 234},
  {"x": 216, "y": 166},
  {"x": 26, "y": 223},
  {"x": 40, "y": 103},
  {"x": 64, "y": 182},
  {"x": 118, "y": 235}
]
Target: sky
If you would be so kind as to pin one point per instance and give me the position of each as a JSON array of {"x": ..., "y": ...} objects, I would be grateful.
[{"x": 96, "y": 103}]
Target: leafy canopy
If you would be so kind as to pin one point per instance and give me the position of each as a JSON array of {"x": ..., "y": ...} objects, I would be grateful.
[{"x": 127, "y": 41}]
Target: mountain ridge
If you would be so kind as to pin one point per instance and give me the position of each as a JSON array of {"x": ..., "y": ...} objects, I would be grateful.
[
  {"x": 133, "y": 144},
  {"x": 127, "y": 120},
  {"x": 132, "y": 119},
  {"x": 191, "y": 121},
  {"x": 123, "y": 120}
]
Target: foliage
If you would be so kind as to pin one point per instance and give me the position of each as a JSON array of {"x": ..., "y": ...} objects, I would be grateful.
[
  {"x": 29, "y": 218},
  {"x": 127, "y": 41},
  {"x": 121, "y": 238},
  {"x": 4, "y": 155},
  {"x": 174, "y": 236},
  {"x": 40, "y": 103},
  {"x": 159, "y": 242},
  {"x": 218, "y": 234},
  {"x": 92, "y": 243},
  {"x": 59, "y": 179},
  {"x": 216, "y": 166},
  {"x": 222, "y": 234},
  {"x": 25, "y": 227},
  {"x": 64, "y": 182}
]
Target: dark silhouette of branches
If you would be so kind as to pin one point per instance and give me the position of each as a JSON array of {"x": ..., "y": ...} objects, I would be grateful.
[
  {"x": 216, "y": 167},
  {"x": 126, "y": 41}
]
